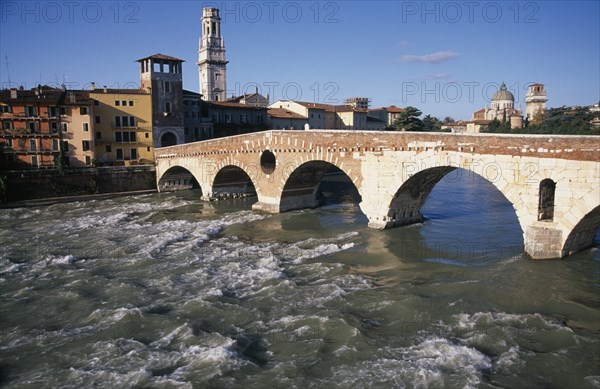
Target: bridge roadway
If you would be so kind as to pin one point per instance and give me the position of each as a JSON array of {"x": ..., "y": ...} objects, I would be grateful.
[{"x": 553, "y": 182}]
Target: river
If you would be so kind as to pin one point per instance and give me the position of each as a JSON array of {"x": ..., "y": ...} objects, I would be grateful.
[{"x": 164, "y": 291}]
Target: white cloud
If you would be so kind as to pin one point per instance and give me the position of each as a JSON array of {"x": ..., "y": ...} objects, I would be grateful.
[
  {"x": 438, "y": 76},
  {"x": 438, "y": 57}
]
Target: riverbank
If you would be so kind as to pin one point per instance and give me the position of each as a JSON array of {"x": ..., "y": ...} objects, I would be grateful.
[
  {"x": 43, "y": 186},
  {"x": 67, "y": 199}
]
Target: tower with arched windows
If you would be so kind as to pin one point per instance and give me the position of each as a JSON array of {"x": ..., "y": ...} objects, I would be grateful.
[{"x": 212, "y": 65}]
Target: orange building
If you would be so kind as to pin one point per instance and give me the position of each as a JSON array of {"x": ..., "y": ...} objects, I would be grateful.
[{"x": 37, "y": 128}]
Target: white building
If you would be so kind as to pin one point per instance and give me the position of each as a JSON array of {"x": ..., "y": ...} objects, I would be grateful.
[{"x": 212, "y": 64}]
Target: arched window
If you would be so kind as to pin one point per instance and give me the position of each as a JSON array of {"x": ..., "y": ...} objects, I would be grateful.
[{"x": 546, "y": 205}]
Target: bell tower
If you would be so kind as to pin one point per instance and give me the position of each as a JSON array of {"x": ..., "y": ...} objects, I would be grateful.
[
  {"x": 212, "y": 65},
  {"x": 535, "y": 100}
]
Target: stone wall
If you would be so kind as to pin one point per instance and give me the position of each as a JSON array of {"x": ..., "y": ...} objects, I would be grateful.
[{"x": 30, "y": 184}]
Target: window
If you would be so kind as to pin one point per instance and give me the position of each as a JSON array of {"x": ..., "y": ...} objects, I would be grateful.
[
  {"x": 32, "y": 126},
  {"x": 125, "y": 136},
  {"x": 65, "y": 127},
  {"x": 259, "y": 119},
  {"x": 96, "y": 102},
  {"x": 119, "y": 154},
  {"x": 31, "y": 110},
  {"x": 65, "y": 145},
  {"x": 97, "y": 119},
  {"x": 131, "y": 103},
  {"x": 146, "y": 135},
  {"x": 85, "y": 144},
  {"x": 117, "y": 103},
  {"x": 118, "y": 137},
  {"x": 546, "y": 203},
  {"x": 167, "y": 106},
  {"x": 32, "y": 145},
  {"x": 98, "y": 135},
  {"x": 134, "y": 154},
  {"x": 8, "y": 144},
  {"x": 108, "y": 149},
  {"x": 7, "y": 125},
  {"x": 10, "y": 159},
  {"x": 34, "y": 160},
  {"x": 62, "y": 111},
  {"x": 86, "y": 126},
  {"x": 88, "y": 160},
  {"x": 55, "y": 144},
  {"x": 52, "y": 111},
  {"x": 227, "y": 118},
  {"x": 54, "y": 127},
  {"x": 132, "y": 121},
  {"x": 216, "y": 118},
  {"x": 243, "y": 118},
  {"x": 117, "y": 121},
  {"x": 167, "y": 87},
  {"x": 5, "y": 108},
  {"x": 132, "y": 136},
  {"x": 124, "y": 103},
  {"x": 148, "y": 149},
  {"x": 83, "y": 110}
]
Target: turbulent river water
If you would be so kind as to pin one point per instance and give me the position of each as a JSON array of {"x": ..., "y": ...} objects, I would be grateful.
[{"x": 164, "y": 291}]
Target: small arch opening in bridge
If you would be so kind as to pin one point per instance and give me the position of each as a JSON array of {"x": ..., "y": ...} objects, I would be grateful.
[
  {"x": 168, "y": 139},
  {"x": 317, "y": 183},
  {"x": 585, "y": 234},
  {"x": 177, "y": 178},
  {"x": 232, "y": 182},
  {"x": 467, "y": 219},
  {"x": 546, "y": 202},
  {"x": 268, "y": 162}
]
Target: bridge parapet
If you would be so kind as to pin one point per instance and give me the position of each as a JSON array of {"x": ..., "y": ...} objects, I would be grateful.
[{"x": 580, "y": 148}]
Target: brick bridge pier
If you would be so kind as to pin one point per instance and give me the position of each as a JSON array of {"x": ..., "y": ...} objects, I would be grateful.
[{"x": 553, "y": 182}]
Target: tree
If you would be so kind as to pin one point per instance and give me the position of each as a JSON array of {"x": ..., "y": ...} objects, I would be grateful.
[
  {"x": 431, "y": 123},
  {"x": 409, "y": 120},
  {"x": 448, "y": 119},
  {"x": 497, "y": 127}
]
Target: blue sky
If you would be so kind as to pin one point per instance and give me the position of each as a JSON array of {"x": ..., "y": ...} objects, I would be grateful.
[{"x": 446, "y": 58}]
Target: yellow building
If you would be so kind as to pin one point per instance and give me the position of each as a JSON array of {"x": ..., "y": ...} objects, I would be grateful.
[{"x": 122, "y": 126}]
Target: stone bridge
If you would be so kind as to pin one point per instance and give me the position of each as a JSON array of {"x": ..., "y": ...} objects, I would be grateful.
[{"x": 553, "y": 182}]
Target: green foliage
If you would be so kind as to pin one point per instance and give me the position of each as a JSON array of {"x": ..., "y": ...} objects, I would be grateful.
[
  {"x": 432, "y": 124},
  {"x": 409, "y": 120},
  {"x": 497, "y": 127},
  {"x": 563, "y": 120}
]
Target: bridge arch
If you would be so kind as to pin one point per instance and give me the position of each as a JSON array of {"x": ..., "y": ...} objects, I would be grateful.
[
  {"x": 301, "y": 184},
  {"x": 178, "y": 178},
  {"x": 405, "y": 206},
  {"x": 583, "y": 234},
  {"x": 167, "y": 139},
  {"x": 233, "y": 181}
]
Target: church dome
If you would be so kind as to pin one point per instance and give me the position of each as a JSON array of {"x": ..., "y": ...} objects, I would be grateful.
[{"x": 503, "y": 94}]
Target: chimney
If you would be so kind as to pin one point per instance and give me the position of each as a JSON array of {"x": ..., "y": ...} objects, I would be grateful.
[
  {"x": 93, "y": 87},
  {"x": 72, "y": 98},
  {"x": 104, "y": 89},
  {"x": 13, "y": 93}
]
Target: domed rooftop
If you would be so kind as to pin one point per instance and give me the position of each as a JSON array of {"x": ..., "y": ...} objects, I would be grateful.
[{"x": 503, "y": 94}]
